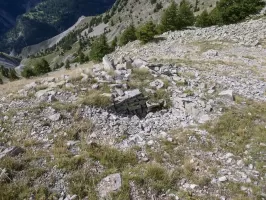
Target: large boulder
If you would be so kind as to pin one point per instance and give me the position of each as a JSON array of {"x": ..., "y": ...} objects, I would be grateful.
[
  {"x": 107, "y": 64},
  {"x": 139, "y": 63},
  {"x": 227, "y": 94},
  {"x": 109, "y": 184},
  {"x": 55, "y": 117}
]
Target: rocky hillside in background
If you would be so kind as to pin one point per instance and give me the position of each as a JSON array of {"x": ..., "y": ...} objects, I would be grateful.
[
  {"x": 179, "y": 118},
  {"x": 115, "y": 20},
  {"x": 45, "y": 20}
]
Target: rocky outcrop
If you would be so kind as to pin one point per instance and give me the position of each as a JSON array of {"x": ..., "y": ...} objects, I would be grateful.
[
  {"x": 111, "y": 183},
  {"x": 132, "y": 103}
]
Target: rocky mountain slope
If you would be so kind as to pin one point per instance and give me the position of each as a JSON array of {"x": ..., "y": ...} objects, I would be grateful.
[
  {"x": 180, "y": 118},
  {"x": 130, "y": 11},
  {"x": 45, "y": 20}
]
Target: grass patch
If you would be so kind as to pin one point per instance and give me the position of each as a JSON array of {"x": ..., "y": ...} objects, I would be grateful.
[
  {"x": 79, "y": 130},
  {"x": 60, "y": 106},
  {"x": 238, "y": 127},
  {"x": 140, "y": 78},
  {"x": 112, "y": 158},
  {"x": 148, "y": 176},
  {"x": 95, "y": 98},
  {"x": 159, "y": 95}
]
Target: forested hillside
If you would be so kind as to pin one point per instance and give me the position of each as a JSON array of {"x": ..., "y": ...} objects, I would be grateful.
[{"x": 47, "y": 19}]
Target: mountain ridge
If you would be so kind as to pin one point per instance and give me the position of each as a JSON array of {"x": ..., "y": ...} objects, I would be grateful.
[{"x": 47, "y": 19}]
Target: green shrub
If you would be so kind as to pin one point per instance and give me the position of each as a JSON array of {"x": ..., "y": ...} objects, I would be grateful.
[
  {"x": 175, "y": 18},
  {"x": 169, "y": 18},
  {"x": 128, "y": 35},
  {"x": 114, "y": 44},
  {"x": 203, "y": 20},
  {"x": 95, "y": 98},
  {"x": 233, "y": 11},
  {"x": 4, "y": 71},
  {"x": 12, "y": 75},
  {"x": 99, "y": 48},
  {"x": 42, "y": 67},
  {"x": 67, "y": 66},
  {"x": 147, "y": 32},
  {"x": 185, "y": 15},
  {"x": 27, "y": 72}
]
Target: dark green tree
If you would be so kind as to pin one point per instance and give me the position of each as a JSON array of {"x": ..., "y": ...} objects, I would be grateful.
[
  {"x": 27, "y": 72},
  {"x": 128, "y": 35},
  {"x": 146, "y": 32},
  {"x": 12, "y": 75},
  {"x": 114, "y": 44},
  {"x": 185, "y": 15},
  {"x": 99, "y": 48},
  {"x": 81, "y": 57},
  {"x": 233, "y": 11},
  {"x": 42, "y": 67},
  {"x": 169, "y": 20},
  {"x": 4, "y": 71},
  {"x": 203, "y": 20},
  {"x": 67, "y": 65}
]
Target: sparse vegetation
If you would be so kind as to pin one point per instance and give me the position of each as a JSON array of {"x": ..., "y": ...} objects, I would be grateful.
[
  {"x": 27, "y": 72},
  {"x": 146, "y": 32},
  {"x": 128, "y": 35},
  {"x": 42, "y": 67},
  {"x": 95, "y": 98},
  {"x": 239, "y": 127},
  {"x": 175, "y": 18},
  {"x": 99, "y": 48}
]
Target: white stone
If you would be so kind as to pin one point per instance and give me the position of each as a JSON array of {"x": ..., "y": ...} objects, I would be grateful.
[
  {"x": 55, "y": 117},
  {"x": 111, "y": 183},
  {"x": 228, "y": 94},
  {"x": 222, "y": 179},
  {"x": 108, "y": 65}
]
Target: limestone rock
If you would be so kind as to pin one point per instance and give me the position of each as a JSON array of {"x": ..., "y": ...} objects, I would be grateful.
[
  {"x": 211, "y": 53},
  {"x": 228, "y": 94},
  {"x": 111, "y": 183},
  {"x": 55, "y": 117},
  {"x": 139, "y": 62},
  {"x": 158, "y": 84},
  {"x": 108, "y": 65}
]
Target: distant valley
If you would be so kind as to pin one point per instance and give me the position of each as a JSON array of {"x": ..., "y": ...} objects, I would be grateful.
[{"x": 32, "y": 21}]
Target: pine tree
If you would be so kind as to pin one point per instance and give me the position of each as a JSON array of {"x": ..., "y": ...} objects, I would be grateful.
[
  {"x": 114, "y": 44},
  {"x": 203, "y": 20},
  {"x": 185, "y": 15},
  {"x": 81, "y": 57},
  {"x": 27, "y": 72},
  {"x": 169, "y": 20},
  {"x": 147, "y": 32},
  {"x": 12, "y": 75},
  {"x": 128, "y": 35},
  {"x": 42, "y": 67},
  {"x": 4, "y": 71},
  {"x": 67, "y": 66},
  {"x": 99, "y": 48}
]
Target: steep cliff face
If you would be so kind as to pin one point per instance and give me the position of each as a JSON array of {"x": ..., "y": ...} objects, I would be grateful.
[{"x": 32, "y": 21}]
